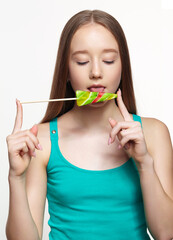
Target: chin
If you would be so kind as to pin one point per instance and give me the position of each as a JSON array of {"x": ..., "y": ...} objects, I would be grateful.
[{"x": 95, "y": 105}]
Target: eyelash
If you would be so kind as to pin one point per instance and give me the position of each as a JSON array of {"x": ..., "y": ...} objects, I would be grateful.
[
  {"x": 107, "y": 62},
  {"x": 82, "y": 63}
]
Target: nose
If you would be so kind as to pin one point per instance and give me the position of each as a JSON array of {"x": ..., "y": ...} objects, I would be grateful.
[{"x": 95, "y": 71}]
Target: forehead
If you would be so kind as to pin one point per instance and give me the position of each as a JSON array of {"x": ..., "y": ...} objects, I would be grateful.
[{"x": 93, "y": 37}]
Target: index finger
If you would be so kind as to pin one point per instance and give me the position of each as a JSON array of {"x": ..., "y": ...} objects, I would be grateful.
[
  {"x": 19, "y": 117},
  {"x": 122, "y": 107}
]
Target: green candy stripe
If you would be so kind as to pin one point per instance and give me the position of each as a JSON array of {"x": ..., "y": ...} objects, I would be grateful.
[
  {"x": 87, "y": 96},
  {"x": 91, "y": 98},
  {"x": 81, "y": 95}
]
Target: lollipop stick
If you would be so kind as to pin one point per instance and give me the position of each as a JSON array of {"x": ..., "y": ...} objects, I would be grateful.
[
  {"x": 83, "y": 98},
  {"x": 51, "y": 100}
]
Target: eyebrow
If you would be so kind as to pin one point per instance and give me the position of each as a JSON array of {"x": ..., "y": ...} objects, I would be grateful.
[{"x": 86, "y": 52}]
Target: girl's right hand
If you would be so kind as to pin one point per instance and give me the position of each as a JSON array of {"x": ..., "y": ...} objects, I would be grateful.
[{"x": 21, "y": 145}]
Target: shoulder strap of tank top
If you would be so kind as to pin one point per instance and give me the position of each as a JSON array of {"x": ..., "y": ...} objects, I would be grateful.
[
  {"x": 53, "y": 129},
  {"x": 137, "y": 118}
]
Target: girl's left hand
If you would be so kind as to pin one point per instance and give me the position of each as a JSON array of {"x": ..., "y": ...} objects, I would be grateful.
[{"x": 129, "y": 133}]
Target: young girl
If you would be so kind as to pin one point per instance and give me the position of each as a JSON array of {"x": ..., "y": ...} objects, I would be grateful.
[{"x": 106, "y": 172}]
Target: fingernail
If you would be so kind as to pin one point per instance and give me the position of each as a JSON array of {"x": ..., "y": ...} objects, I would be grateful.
[
  {"x": 109, "y": 141},
  {"x": 34, "y": 154},
  {"x": 39, "y": 147},
  {"x": 17, "y": 101},
  {"x": 34, "y": 125},
  {"x": 119, "y": 146},
  {"x": 110, "y": 118}
]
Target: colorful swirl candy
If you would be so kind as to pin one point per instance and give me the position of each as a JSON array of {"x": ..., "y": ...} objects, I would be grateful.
[{"x": 86, "y": 97}]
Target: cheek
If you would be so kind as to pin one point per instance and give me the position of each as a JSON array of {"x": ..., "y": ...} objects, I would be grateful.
[
  {"x": 76, "y": 76},
  {"x": 74, "y": 68},
  {"x": 114, "y": 78},
  {"x": 73, "y": 73},
  {"x": 115, "y": 73}
]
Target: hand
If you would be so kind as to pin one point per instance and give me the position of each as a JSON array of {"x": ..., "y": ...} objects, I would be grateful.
[
  {"x": 21, "y": 145},
  {"x": 129, "y": 133}
]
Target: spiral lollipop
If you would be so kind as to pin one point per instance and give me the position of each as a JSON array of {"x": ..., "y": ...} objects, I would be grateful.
[
  {"x": 86, "y": 97},
  {"x": 83, "y": 98}
]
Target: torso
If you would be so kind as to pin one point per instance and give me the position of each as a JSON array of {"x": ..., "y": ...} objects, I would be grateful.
[{"x": 92, "y": 151}]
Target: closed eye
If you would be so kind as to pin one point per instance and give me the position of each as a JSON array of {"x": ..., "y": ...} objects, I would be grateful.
[
  {"x": 109, "y": 62},
  {"x": 82, "y": 63}
]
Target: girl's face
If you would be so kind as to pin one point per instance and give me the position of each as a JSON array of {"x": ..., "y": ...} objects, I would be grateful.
[{"x": 94, "y": 59}]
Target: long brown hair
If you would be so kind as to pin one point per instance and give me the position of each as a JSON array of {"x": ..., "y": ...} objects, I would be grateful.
[{"x": 61, "y": 88}]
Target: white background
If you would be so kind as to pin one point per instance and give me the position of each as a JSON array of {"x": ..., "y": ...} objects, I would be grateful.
[{"x": 30, "y": 32}]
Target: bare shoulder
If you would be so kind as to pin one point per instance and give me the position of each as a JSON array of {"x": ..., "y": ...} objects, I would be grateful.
[
  {"x": 151, "y": 122},
  {"x": 155, "y": 132},
  {"x": 154, "y": 128}
]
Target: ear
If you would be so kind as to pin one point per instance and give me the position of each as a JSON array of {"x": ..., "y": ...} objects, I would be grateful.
[{"x": 112, "y": 122}]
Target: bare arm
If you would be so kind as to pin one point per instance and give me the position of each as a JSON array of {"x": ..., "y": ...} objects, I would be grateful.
[
  {"x": 20, "y": 224},
  {"x": 157, "y": 180},
  {"x": 25, "y": 219}
]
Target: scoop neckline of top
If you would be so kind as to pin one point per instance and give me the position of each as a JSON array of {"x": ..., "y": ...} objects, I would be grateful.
[{"x": 89, "y": 170}]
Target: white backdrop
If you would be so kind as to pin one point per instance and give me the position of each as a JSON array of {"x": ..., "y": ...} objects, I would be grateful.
[{"x": 30, "y": 32}]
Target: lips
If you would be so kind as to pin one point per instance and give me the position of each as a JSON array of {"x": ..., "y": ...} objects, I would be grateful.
[{"x": 96, "y": 89}]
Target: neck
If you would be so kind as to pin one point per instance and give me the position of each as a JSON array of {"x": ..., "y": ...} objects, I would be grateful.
[{"x": 96, "y": 116}]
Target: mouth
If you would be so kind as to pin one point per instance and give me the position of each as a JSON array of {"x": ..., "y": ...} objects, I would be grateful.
[{"x": 96, "y": 89}]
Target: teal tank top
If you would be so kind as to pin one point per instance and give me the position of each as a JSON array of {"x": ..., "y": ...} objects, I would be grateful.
[{"x": 93, "y": 204}]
